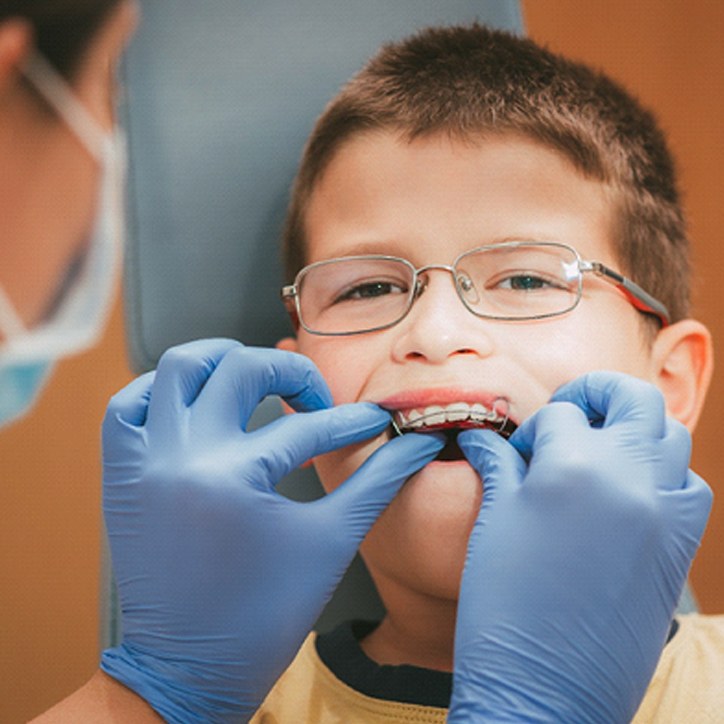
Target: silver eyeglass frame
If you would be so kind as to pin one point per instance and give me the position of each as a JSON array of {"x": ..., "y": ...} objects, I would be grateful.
[{"x": 637, "y": 297}]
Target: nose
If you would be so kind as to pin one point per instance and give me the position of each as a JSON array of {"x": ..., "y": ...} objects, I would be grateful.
[{"x": 439, "y": 326}]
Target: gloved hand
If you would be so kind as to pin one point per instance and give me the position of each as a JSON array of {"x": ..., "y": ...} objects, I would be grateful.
[
  {"x": 220, "y": 578},
  {"x": 589, "y": 523}
]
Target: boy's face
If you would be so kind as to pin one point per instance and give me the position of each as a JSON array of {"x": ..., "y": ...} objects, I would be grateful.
[{"x": 428, "y": 201}]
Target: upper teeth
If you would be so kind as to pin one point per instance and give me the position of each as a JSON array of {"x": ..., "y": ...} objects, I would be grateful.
[{"x": 439, "y": 415}]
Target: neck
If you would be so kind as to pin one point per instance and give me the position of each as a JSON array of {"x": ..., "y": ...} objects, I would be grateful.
[{"x": 418, "y": 629}]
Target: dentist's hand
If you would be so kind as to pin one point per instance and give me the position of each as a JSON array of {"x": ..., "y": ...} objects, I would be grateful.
[
  {"x": 577, "y": 558},
  {"x": 220, "y": 577}
]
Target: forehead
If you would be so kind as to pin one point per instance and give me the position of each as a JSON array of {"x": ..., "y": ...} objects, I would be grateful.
[{"x": 431, "y": 198}]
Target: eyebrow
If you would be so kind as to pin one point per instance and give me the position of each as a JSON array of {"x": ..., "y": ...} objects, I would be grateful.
[
  {"x": 387, "y": 247},
  {"x": 400, "y": 247}
]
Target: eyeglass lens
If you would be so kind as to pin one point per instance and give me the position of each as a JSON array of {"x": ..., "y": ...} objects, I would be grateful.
[{"x": 520, "y": 281}]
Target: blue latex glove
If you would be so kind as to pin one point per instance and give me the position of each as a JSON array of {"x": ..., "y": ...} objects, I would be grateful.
[
  {"x": 578, "y": 557},
  {"x": 220, "y": 578}
]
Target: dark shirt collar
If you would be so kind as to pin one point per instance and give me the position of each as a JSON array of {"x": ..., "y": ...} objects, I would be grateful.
[{"x": 341, "y": 653}]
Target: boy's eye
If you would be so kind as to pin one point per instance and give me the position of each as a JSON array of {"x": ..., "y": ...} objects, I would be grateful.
[
  {"x": 525, "y": 282},
  {"x": 370, "y": 290}
]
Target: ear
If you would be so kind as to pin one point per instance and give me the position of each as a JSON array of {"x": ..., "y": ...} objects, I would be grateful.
[
  {"x": 15, "y": 42},
  {"x": 288, "y": 344},
  {"x": 683, "y": 359}
]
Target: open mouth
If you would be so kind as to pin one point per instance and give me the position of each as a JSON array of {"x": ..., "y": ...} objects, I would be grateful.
[{"x": 451, "y": 419}]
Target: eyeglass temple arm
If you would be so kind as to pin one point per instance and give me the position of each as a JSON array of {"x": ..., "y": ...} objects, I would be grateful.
[{"x": 640, "y": 299}]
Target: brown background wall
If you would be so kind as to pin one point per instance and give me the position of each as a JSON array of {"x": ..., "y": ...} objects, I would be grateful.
[{"x": 668, "y": 52}]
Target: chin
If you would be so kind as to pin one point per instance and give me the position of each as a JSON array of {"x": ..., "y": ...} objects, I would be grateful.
[
  {"x": 453, "y": 484},
  {"x": 421, "y": 539}
]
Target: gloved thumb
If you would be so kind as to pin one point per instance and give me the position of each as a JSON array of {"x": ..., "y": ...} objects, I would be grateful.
[
  {"x": 494, "y": 458},
  {"x": 501, "y": 470},
  {"x": 291, "y": 440},
  {"x": 360, "y": 500}
]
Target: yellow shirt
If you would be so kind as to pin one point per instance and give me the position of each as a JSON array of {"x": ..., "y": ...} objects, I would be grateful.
[{"x": 687, "y": 687}]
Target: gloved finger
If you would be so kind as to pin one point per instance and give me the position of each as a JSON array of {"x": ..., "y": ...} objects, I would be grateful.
[
  {"x": 677, "y": 444},
  {"x": 290, "y": 441},
  {"x": 495, "y": 459},
  {"x": 358, "y": 502},
  {"x": 694, "y": 506},
  {"x": 123, "y": 424},
  {"x": 501, "y": 469},
  {"x": 616, "y": 398},
  {"x": 249, "y": 374},
  {"x": 550, "y": 430},
  {"x": 181, "y": 373},
  {"x": 130, "y": 405}
]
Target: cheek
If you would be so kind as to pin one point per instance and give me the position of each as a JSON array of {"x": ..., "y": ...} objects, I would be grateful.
[
  {"x": 556, "y": 354},
  {"x": 421, "y": 539},
  {"x": 346, "y": 363}
]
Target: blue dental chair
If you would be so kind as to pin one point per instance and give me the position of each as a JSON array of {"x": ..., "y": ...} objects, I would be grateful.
[{"x": 220, "y": 97}]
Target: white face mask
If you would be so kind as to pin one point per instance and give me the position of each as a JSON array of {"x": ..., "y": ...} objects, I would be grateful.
[{"x": 27, "y": 355}]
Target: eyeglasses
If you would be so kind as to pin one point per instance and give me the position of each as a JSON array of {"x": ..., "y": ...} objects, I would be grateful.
[{"x": 514, "y": 280}]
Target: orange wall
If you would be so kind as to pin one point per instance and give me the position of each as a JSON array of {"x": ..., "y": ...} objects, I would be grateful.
[
  {"x": 669, "y": 52},
  {"x": 50, "y": 532}
]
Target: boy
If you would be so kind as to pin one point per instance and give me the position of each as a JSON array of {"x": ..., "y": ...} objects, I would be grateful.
[
  {"x": 495, "y": 169},
  {"x": 480, "y": 233}
]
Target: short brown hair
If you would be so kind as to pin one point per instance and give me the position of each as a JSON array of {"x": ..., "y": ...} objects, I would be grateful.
[
  {"x": 472, "y": 81},
  {"x": 63, "y": 29}
]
